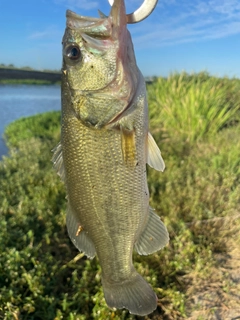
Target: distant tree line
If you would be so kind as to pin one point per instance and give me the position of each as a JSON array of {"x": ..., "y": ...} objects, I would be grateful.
[{"x": 12, "y": 66}]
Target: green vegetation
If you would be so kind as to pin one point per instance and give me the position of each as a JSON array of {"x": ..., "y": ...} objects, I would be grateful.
[
  {"x": 27, "y": 81},
  {"x": 195, "y": 120},
  {"x": 194, "y": 106}
]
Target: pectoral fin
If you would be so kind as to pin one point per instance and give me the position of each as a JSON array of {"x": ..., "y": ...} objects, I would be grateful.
[
  {"x": 154, "y": 237},
  {"x": 155, "y": 159},
  {"x": 78, "y": 235},
  {"x": 128, "y": 147},
  {"x": 57, "y": 160}
]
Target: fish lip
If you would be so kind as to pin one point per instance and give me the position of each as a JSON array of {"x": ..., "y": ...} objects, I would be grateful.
[
  {"x": 118, "y": 14},
  {"x": 88, "y": 25},
  {"x": 72, "y": 15}
]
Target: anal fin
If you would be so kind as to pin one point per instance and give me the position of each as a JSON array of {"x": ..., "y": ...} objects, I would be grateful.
[
  {"x": 79, "y": 237},
  {"x": 154, "y": 237}
]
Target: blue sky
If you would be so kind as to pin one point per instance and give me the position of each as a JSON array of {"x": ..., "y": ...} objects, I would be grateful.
[{"x": 179, "y": 35}]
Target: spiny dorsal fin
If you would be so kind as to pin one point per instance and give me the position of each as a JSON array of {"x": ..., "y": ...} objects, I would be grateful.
[
  {"x": 57, "y": 160},
  {"x": 155, "y": 159}
]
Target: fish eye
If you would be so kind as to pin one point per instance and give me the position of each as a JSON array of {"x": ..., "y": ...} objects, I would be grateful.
[{"x": 73, "y": 52}]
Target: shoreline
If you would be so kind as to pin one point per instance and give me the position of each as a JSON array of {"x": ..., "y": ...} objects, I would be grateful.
[{"x": 20, "y": 76}]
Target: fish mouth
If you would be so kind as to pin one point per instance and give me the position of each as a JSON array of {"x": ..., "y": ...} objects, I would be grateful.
[
  {"x": 94, "y": 26},
  {"x": 119, "y": 23},
  {"x": 142, "y": 12}
]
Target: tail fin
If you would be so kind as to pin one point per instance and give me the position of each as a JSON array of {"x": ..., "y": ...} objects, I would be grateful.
[{"x": 134, "y": 294}]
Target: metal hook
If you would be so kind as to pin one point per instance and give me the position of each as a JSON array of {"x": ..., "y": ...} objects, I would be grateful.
[{"x": 141, "y": 13}]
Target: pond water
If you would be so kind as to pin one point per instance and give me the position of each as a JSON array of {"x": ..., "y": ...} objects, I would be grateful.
[{"x": 18, "y": 101}]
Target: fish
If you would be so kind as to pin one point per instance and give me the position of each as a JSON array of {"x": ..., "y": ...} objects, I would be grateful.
[{"x": 102, "y": 156}]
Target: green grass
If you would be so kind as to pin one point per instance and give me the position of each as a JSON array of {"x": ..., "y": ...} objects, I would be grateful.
[
  {"x": 43, "y": 126},
  {"x": 42, "y": 275},
  {"x": 194, "y": 106}
]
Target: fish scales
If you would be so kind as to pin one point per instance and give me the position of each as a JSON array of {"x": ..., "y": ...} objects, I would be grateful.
[
  {"x": 105, "y": 145},
  {"x": 115, "y": 195}
]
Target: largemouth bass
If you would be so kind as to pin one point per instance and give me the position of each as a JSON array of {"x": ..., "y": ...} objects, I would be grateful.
[{"x": 102, "y": 156}]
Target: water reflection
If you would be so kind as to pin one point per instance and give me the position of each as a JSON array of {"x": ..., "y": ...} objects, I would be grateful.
[{"x": 25, "y": 100}]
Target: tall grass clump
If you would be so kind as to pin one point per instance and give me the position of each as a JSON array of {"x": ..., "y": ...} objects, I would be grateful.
[
  {"x": 44, "y": 277},
  {"x": 194, "y": 106}
]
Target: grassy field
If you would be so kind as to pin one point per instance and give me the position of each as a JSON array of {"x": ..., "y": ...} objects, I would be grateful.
[{"x": 196, "y": 121}]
